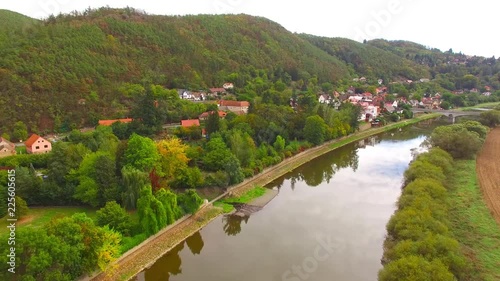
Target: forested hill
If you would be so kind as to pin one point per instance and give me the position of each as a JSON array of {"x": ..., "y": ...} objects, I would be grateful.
[
  {"x": 47, "y": 68},
  {"x": 368, "y": 60}
]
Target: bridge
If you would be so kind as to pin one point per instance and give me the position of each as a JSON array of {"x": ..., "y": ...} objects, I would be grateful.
[{"x": 451, "y": 113}]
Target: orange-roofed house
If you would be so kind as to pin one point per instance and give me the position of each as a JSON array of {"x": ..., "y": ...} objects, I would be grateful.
[
  {"x": 234, "y": 106},
  {"x": 6, "y": 148},
  {"x": 37, "y": 145},
  {"x": 190, "y": 122},
  {"x": 204, "y": 115},
  {"x": 110, "y": 122}
]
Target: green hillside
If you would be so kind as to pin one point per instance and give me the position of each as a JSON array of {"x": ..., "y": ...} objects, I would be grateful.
[
  {"x": 451, "y": 70},
  {"x": 12, "y": 20},
  {"x": 69, "y": 69},
  {"x": 368, "y": 60},
  {"x": 46, "y": 71}
]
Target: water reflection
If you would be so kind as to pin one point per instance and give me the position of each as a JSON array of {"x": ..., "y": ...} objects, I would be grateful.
[
  {"x": 195, "y": 243},
  {"x": 170, "y": 264},
  {"x": 232, "y": 224}
]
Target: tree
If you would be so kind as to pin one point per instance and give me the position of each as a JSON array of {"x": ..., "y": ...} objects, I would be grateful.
[
  {"x": 114, "y": 216},
  {"x": 456, "y": 140},
  {"x": 490, "y": 118},
  {"x": 141, "y": 153},
  {"x": 147, "y": 111},
  {"x": 279, "y": 144},
  {"x": 315, "y": 130},
  {"x": 133, "y": 181},
  {"x": 233, "y": 169},
  {"x": 190, "y": 201},
  {"x": 21, "y": 207},
  {"x": 445, "y": 105},
  {"x": 169, "y": 201},
  {"x": 20, "y": 132},
  {"x": 213, "y": 122},
  {"x": 216, "y": 155},
  {"x": 152, "y": 214},
  {"x": 172, "y": 157},
  {"x": 98, "y": 182},
  {"x": 242, "y": 146}
]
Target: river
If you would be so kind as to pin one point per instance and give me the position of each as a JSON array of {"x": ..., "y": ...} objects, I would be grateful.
[{"x": 326, "y": 223}]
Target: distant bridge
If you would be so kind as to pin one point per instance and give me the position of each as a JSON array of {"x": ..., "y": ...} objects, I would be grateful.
[{"x": 450, "y": 113}]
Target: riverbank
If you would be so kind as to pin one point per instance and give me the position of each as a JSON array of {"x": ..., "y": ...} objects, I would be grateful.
[
  {"x": 472, "y": 223},
  {"x": 144, "y": 255},
  {"x": 474, "y": 205}
]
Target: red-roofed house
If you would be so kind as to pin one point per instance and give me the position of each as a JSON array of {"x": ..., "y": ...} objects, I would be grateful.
[
  {"x": 110, "y": 122},
  {"x": 217, "y": 90},
  {"x": 36, "y": 145},
  {"x": 234, "y": 106},
  {"x": 190, "y": 123},
  {"x": 6, "y": 148},
  {"x": 204, "y": 115}
]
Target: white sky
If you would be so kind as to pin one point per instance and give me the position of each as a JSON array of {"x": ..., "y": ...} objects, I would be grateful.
[{"x": 467, "y": 26}]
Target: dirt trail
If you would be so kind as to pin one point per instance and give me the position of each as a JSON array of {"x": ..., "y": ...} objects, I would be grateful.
[{"x": 488, "y": 172}]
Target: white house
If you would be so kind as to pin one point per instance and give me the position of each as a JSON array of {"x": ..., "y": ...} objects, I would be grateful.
[{"x": 228, "y": 86}]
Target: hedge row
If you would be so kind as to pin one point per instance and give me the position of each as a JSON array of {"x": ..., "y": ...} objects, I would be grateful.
[{"x": 419, "y": 245}]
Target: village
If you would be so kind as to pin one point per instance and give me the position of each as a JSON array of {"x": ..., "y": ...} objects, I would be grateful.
[{"x": 373, "y": 105}]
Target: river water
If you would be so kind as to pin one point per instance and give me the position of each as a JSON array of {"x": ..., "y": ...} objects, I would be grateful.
[{"x": 326, "y": 223}]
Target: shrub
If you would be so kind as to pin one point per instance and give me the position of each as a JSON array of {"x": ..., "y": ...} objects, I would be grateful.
[
  {"x": 414, "y": 224},
  {"x": 438, "y": 157},
  {"x": 248, "y": 172},
  {"x": 130, "y": 242},
  {"x": 115, "y": 217},
  {"x": 421, "y": 169},
  {"x": 189, "y": 201},
  {"x": 218, "y": 179},
  {"x": 415, "y": 268},
  {"x": 432, "y": 247}
]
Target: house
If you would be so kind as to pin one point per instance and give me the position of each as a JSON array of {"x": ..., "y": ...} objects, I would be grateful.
[
  {"x": 198, "y": 96},
  {"x": 185, "y": 94},
  {"x": 381, "y": 90},
  {"x": 487, "y": 94},
  {"x": 110, "y": 122},
  {"x": 380, "y": 81},
  {"x": 324, "y": 98},
  {"x": 217, "y": 90},
  {"x": 228, "y": 86},
  {"x": 36, "y": 145},
  {"x": 425, "y": 80},
  {"x": 369, "y": 112},
  {"x": 234, "y": 106},
  {"x": 204, "y": 115},
  {"x": 190, "y": 122},
  {"x": 6, "y": 148}
]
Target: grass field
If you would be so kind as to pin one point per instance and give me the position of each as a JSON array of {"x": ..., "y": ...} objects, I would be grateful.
[
  {"x": 225, "y": 203},
  {"x": 37, "y": 217},
  {"x": 473, "y": 225},
  {"x": 481, "y": 105}
]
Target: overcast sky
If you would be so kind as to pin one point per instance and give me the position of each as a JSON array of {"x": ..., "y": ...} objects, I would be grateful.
[{"x": 470, "y": 27}]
